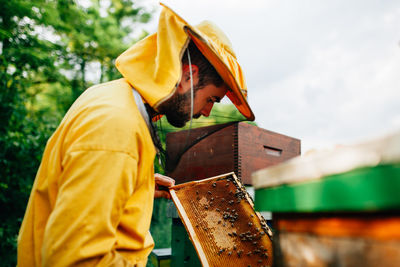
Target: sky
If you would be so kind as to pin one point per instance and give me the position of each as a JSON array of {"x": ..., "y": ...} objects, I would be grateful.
[{"x": 325, "y": 72}]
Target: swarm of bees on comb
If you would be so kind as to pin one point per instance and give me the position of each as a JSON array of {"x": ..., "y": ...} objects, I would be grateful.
[{"x": 219, "y": 217}]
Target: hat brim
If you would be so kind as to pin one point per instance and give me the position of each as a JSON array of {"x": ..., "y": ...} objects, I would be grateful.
[{"x": 234, "y": 93}]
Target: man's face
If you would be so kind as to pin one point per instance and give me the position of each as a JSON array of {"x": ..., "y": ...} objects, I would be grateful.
[{"x": 178, "y": 111}]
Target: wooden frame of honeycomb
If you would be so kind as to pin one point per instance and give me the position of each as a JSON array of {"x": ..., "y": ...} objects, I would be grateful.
[{"x": 222, "y": 224}]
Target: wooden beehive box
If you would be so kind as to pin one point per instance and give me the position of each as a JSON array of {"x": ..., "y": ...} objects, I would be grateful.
[
  {"x": 220, "y": 219},
  {"x": 239, "y": 147}
]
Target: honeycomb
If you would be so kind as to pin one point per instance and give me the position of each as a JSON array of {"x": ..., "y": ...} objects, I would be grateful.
[{"x": 221, "y": 222}]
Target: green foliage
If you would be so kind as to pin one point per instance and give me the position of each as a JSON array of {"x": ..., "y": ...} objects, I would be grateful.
[
  {"x": 46, "y": 48},
  {"x": 221, "y": 113}
]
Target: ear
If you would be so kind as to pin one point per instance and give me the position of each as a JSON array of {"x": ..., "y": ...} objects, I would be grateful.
[
  {"x": 186, "y": 71},
  {"x": 184, "y": 85}
]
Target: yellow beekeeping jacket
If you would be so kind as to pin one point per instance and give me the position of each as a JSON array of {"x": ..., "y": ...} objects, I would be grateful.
[{"x": 92, "y": 199}]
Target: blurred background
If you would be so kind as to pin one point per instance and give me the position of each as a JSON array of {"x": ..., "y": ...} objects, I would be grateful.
[{"x": 323, "y": 72}]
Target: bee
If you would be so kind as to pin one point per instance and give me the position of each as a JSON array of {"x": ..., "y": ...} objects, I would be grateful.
[{"x": 239, "y": 253}]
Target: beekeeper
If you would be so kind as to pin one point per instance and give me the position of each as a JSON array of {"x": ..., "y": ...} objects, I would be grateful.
[{"x": 92, "y": 199}]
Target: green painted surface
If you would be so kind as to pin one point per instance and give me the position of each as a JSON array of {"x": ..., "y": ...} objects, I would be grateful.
[
  {"x": 159, "y": 263},
  {"x": 183, "y": 251},
  {"x": 366, "y": 189}
]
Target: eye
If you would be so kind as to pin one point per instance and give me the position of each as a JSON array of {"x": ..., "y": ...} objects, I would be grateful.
[{"x": 213, "y": 99}]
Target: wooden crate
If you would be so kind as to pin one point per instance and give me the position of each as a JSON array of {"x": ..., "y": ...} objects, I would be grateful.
[{"x": 239, "y": 147}]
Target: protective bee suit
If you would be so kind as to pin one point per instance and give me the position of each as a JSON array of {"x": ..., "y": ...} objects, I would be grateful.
[{"x": 92, "y": 199}]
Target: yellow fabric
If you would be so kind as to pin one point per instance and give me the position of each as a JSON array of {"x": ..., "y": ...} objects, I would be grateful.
[
  {"x": 155, "y": 62},
  {"x": 92, "y": 199}
]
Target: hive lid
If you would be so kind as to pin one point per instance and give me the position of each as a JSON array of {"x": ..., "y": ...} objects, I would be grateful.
[
  {"x": 221, "y": 222},
  {"x": 316, "y": 165}
]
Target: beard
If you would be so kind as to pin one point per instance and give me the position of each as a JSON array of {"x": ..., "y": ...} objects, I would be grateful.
[{"x": 177, "y": 108}]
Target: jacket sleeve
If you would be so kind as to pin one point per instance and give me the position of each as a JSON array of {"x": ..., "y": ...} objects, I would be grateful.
[{"x": 93, "y": 189}]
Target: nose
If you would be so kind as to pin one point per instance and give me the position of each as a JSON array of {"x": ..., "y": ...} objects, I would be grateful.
[{"x": 207, "y": 109}]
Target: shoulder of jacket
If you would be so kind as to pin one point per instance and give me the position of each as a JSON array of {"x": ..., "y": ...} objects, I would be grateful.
[{"x": 118, "y": 82}]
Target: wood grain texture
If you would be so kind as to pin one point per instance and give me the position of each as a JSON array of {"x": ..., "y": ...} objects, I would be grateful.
[
  {"x": 240, "y": 147},
  {"x": 378, "y": 226}
]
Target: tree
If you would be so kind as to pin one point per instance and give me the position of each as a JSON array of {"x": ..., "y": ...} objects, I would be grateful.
[{"x": 46, "y": 47}]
